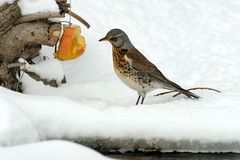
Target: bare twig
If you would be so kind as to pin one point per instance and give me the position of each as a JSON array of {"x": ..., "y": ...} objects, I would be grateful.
[
  {"x": 66, "y": 8},
  {"x": 78, "y": 18},
  {"x": 196, "y": 88},
  {"x": 205, "y": 88},
  {"x": 38, "y": 16}
]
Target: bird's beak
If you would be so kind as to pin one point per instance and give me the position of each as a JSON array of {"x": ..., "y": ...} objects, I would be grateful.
[{"x": 103, "y": 39}]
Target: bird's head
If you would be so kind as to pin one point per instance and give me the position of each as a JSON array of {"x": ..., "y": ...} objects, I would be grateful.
[{"x": 117, "y": 38}]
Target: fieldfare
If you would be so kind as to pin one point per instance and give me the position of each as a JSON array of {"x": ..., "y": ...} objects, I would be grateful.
[{"x": 135, "y": 70}]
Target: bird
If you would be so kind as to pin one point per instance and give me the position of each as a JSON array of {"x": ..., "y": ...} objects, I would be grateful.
[{"x": 135, "y": 70}]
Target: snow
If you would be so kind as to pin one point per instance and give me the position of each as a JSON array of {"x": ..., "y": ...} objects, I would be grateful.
[
  {"x": 6, "y": 1},
  {"x": 15, "y": 127},
  {"x": 59, "y": 150},
  {"x": 48, "y": 69},
  {"x": 54, "y": 117},
  {"x": 194, "y": 43},
  {"x": 35, "y": 6}
]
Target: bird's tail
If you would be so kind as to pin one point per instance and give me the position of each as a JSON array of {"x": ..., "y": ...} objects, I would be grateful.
[
  {"x": 189, "y": 94},
  {"x": 183, "y": 91}
]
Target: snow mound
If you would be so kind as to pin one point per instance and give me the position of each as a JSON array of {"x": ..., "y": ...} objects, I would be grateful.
[
  {"x": 15, "y": 126},
  {"x": 92, "y": 121},
  {"x": 59, "y": 150},
  {"x": 48, "y": 69}
]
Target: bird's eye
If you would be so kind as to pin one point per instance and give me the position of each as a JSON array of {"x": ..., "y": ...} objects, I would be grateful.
[{"x": 113, "y": 39}]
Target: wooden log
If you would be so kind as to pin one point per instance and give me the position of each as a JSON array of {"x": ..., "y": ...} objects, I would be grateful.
[
  {"x": 22, "y": 40},
  {"x": 13, "y": 43},
  {"x": 8, "y": 77},
  {"x": 30, "y": 51},
  {"x": 9, "y": 13}
]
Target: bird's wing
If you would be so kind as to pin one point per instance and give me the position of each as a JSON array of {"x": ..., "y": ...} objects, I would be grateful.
[{"x": 140, "y": 63}]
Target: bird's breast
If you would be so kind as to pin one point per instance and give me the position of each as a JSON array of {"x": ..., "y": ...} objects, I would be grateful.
[
  {"x": 132, "y": 78},
  {"x": 119, "y": 62}
]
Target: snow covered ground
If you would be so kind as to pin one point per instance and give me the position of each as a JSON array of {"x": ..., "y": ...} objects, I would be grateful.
[
  {"x": 57, "y": 150},
  {"x": 194, "y": 43}
]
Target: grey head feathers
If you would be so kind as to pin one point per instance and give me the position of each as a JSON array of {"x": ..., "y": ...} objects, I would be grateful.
[{"x": 118, "y": 38}]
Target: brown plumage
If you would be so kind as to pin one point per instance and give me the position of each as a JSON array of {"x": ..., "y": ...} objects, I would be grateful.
[{"x": 135, "y": 70}]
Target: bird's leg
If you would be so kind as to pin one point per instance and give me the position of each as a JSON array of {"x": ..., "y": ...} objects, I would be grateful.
[
  {"x": 142, "y": 100},
  {"x": 138, "y": 99}
]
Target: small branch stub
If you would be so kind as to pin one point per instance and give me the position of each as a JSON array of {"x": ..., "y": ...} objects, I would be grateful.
[{"x": 14, "y": 65}]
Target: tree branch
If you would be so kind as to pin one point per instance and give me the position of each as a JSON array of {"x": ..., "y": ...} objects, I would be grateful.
[{"x": 38, "y": 16}]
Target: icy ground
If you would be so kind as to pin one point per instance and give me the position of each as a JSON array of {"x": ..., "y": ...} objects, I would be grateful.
[{"x": 194, "y": 43}]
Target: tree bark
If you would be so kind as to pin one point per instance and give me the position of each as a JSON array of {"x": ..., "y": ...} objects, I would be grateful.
[
  {"x": 13, "y": 43},
  {"x": 22, "y": 40},
  {"x": 9, "y": 13}
]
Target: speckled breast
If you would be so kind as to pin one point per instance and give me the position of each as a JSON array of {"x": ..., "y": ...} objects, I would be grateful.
[{"x": 132, "y": 78}]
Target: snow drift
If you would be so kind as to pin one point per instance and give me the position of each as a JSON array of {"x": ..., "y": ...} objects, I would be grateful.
[{"x": 59, "y": 150}]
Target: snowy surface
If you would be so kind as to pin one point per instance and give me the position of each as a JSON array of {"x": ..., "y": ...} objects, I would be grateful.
[
  {"x": 47, "y": 69},
  {"x": 36, "y": 6},
  {"x": 52, "y": 150},
  {"x": 194, "y": 43},
  {"x": 6, "y": 1}
]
